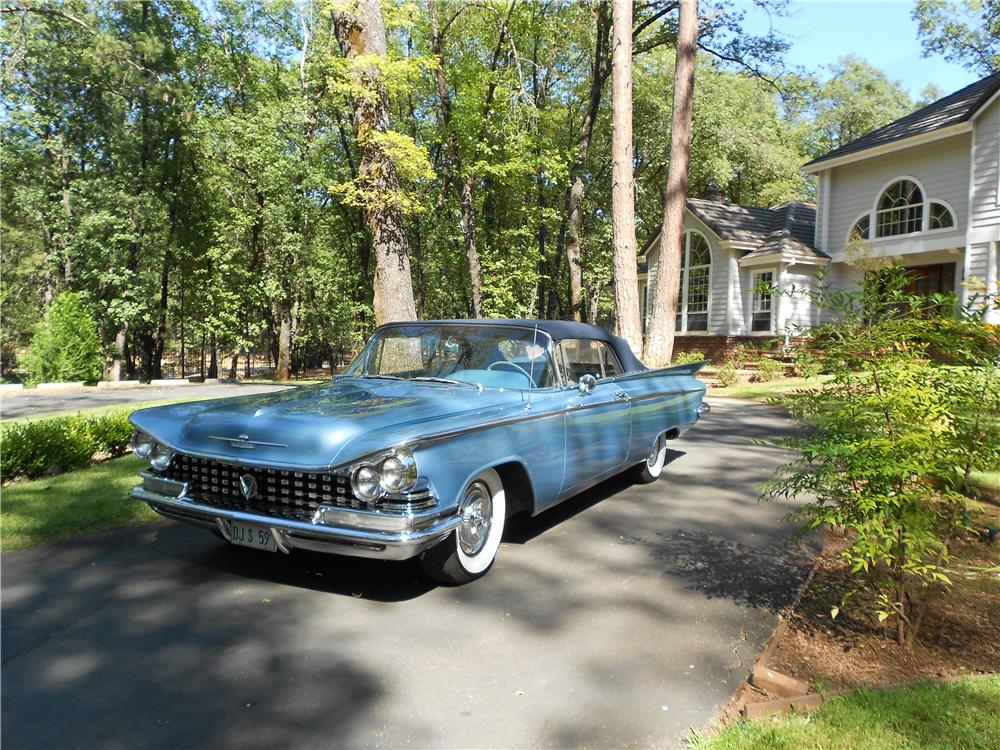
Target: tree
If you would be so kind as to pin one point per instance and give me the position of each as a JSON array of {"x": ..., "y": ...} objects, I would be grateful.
[
  {"x": 65, "y": 347},
  {"x": 962, "y": 31},
  {"x": 363, "y": 42},
  {"x": 660, "y": 336},
  {"x": 627, "y": 314},
  {"x": 854, "y": 100}
]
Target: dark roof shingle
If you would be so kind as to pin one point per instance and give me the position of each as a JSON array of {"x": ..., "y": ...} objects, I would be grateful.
[
  {"x": 950, "y": 110},
  {"x": 787, "y": 228}
]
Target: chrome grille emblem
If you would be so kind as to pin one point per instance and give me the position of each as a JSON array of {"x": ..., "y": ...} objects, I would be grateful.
[{"x": 248, "y": 486}]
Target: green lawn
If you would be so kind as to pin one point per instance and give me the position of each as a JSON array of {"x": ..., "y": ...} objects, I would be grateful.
[
  {"x": 989, "y": 480},
  {"x": 66, "y": 505},
  {"x": 761, "y": 391},
  {"x": 961, "y": 715}
]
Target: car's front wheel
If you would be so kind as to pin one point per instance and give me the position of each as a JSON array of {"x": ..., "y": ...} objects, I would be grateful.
[
  {"x": 649, "y": 470},
  {"x": 469, "y": 551}
]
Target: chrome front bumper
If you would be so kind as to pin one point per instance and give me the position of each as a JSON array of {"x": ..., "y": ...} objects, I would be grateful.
[{"x": 388, "y": 536}]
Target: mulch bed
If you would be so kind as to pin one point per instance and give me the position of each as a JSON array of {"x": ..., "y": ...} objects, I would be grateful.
[{"x": 960, "y": 633}]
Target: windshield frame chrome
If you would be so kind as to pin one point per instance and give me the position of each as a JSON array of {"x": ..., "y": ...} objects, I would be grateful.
[{"x": 549, "y": 347}]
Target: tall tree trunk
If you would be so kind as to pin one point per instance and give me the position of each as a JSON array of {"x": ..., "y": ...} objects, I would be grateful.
[
  {"x": 283, "y": 371},
  {"x": 363, "y": 35},
  {"x": 213, "y": 359},
  {"x": 115, "y": 371},
  {"x": 627, "y": 315},
  {"x": 660, "y": 337},
  {"x": 574, "y": 203}
]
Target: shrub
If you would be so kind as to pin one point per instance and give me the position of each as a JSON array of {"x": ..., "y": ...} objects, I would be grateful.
[
  {"x": 65, "y": 346},
  {"x": 807, "y": 364},
  {"x": 59, "y": 444},
  {"x": 768, "y": 369},
  {"x": 727, "y": 374},
  {"x": 894, "y": 437},
  {"x": 686, "y": 358}
]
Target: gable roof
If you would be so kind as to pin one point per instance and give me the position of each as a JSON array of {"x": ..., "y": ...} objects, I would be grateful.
[
  {"x": 787, "y": 228},
  {"x": 950, "y": 110}
]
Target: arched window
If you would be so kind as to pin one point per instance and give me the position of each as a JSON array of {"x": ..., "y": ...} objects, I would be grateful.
[
  {"x": 862, "y": 229},
  {"x": 941, "y": 216},
  {"x": 696, "y": 274},
  {"x": 900, "y": 209}
]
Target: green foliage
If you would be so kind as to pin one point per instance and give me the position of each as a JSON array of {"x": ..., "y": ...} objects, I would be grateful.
[
  {"x": 65, "y": 346},
  {"x": 726, "y": 374},
  {"x": 59, "y": 444},
  {"x": 962, "y": 31},
  {"x": 685, "y": 358},
  {"x": 894, "y": 436},
  {"x": 767, "y": 369},
  {"x": 807, "y": 364}
]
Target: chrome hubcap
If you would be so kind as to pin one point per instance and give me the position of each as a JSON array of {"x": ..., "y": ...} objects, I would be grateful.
[
  {"x": 654, "y": 453},
  {"x": 477, "y": 517}
]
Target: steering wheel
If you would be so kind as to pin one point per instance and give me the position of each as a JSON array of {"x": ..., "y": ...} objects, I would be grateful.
[{"x": 514, "y": 365}]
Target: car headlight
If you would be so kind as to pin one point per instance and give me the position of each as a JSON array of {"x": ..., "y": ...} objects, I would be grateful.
[
  {"x": 365, "y": 482},
  {"x": 142, "y": 444},
  {"x": 398, "y": 471},
  {"x": 160, "y": 456}
]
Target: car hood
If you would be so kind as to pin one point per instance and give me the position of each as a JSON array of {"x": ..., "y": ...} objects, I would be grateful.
[{"x": 322, "y": 425}]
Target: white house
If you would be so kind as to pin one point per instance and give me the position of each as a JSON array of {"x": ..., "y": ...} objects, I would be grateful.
[{"x": 924, "y": 189}]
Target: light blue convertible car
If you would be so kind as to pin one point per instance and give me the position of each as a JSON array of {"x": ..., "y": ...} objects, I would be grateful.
[{"x": 438, "y": 432}]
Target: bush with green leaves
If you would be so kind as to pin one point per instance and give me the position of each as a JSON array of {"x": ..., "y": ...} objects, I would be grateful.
[
  {"x": 687, "y": 358},
  {"x": 65, "y": 346},
  {"x": 726, "y": 374},
  {"x": 767, "y": 369},
  {"x": 57, "y": 444},
  {"x": 891, "y": 441}
]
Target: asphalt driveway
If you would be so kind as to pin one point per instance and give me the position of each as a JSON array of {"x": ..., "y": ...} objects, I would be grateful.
[{"x": 622, "y": 618}]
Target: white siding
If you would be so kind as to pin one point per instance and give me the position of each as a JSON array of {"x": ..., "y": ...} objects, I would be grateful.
[
  {"x": 986, "y": 169},
  {"x": 797, "y": 307},
  {"x": 942, "y": 167},
  {"x": 737, "y": 314}
]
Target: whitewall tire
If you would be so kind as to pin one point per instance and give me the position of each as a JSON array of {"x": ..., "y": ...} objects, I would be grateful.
[
  {"x": 470, "y": 550},
  {"x": 650, "y": 469}
]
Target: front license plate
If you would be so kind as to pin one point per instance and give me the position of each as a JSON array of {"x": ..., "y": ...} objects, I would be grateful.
[{"x": 257, "y": 537}]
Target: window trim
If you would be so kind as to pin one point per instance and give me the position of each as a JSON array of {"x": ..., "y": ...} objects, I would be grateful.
[
  {"x": 562, "y": 364},
  {"x": 773, "y": 307},
  {"x": 951, "y": 210},
  {"x": 850, "y": 232},
  {"x": 873, "y": 225},
  {"x": 682, "y": 293}
]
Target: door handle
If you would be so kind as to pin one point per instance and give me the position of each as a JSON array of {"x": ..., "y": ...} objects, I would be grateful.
[{"x": 622, "y": 396}]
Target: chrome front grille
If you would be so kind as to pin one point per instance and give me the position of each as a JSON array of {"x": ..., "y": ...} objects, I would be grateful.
[{"x": 280, "y": 493}]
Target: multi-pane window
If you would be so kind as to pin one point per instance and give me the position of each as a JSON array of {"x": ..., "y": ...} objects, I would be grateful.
[
  {"x": 762, "y": 307},
  {"x": 862, "y": 228},
  {"x": 941, "y": 216},
  {"x": 900, "y": 209},
  {"x": 696, "y": 273}
]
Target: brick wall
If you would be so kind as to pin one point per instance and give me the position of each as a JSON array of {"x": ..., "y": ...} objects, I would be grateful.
[{"x": 718, "y": 348}]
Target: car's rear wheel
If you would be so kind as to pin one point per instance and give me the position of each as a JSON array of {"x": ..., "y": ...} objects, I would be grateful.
[
  {"x": 469, "y": 551},
  {"x": 650, "y": 469}
]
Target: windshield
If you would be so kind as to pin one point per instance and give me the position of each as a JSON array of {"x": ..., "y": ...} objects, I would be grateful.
[{"x": 490, "y": 356}]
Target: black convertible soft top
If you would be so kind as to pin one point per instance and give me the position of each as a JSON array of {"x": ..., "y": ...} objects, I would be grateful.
[{"x": 560, "y": 329}]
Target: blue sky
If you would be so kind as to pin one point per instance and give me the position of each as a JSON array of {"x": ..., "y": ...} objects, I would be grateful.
[{"x": 881, "y": 32}]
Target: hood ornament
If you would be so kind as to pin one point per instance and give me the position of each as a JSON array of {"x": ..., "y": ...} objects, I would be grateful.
[
  {"x": 248, "y": 486},
  {"x": 243, "y": 441}
]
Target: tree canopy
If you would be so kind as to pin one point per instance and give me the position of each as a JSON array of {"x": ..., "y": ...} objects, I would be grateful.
[{"x": 196, "y": 174}]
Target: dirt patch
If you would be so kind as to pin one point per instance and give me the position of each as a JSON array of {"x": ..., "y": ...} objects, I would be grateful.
[{"x": 960, "y": 633}]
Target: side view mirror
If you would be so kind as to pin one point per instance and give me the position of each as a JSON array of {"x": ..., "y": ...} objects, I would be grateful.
[{"x": 587, "y": 384}]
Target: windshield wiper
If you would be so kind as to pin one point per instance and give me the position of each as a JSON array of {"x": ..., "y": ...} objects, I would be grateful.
[{"x": 383, "y": 377}]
